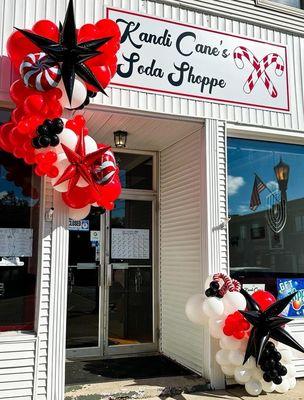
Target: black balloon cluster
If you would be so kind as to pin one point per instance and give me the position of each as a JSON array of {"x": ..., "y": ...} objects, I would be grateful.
[
  {"x": 90, "y": 95},
  {"x": 213, "y": 290},
  {"x": 47, "y": 133},
  {"x": 270, "y": 364}
]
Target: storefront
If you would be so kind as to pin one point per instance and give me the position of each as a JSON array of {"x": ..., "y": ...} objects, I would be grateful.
[{"x": 201, "y": 147}]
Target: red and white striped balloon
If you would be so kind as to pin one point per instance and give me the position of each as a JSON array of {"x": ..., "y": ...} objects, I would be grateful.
[
  {"x": 40, "y": 72},
  {"x": 105, "y": 172}
]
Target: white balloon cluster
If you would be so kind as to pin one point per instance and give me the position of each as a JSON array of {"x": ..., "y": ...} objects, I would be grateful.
[{"x": 212, "y": 312}]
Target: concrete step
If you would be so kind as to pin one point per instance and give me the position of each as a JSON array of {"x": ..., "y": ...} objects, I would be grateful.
[{"x": 137, "y": 388}]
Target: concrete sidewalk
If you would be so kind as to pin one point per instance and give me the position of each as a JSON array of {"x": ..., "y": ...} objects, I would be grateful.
[
  {"x": 130, "y": 391},
  {"x": 237, "y": 393}
]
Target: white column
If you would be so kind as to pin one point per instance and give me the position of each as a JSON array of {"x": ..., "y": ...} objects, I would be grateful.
[
  {"x": 58, "y": 301},
  {"x": 214, "y": 239}
]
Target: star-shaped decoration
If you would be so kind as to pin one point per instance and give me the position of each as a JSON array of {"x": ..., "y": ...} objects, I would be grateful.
[
  {"x": 80, "y": 164},
  {"x": 267, "y": 324},
  {"x": 69, "y": 53}
]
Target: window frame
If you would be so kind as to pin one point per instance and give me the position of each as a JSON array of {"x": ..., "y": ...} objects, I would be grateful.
[
  {"x": 272, "y": 5},
  {"x": 39, "y": 270}
]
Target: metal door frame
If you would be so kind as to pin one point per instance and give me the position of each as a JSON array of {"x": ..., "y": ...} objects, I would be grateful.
[
  {"x": 103, "y": 350},
  {"x": 140, "y": 347}
]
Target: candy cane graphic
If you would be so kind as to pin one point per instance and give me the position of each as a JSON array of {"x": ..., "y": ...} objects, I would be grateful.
[
  {"x": 260, "y": 67},
  {"x": 230, "y": 285}
]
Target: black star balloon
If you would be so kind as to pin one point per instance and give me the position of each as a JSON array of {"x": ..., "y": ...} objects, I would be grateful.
[
  {"x": 70, "y": 54},
  {"x": 267, "y": 324}
]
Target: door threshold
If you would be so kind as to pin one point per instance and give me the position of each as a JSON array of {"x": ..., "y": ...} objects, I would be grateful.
[{"x": 112, "y": 356}]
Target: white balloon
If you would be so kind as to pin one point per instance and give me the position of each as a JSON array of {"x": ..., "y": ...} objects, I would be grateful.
[
  {"x": 234, "y": 301},
  {"x": 216, "y": 328},
  {"x": 236, "y": 357},
  {"x": 283, "y": 387},
  {"x": 253, "y": 387},
  {"x": 79, "y": 213},
  {"x": 268, "y": 387},
  {"x": 229, "y": 343},
  {"x": 90, "y": 144},
  {"x": 79, "y": 94},
  {"x": 68, "y": 138},
  {"x": 256, "y": 373},
  {"x": 292, "y": 383},
  {"x": 193, "y": 308},
  {"x": 228, "y": 369},
  {"x": 291, "y": 371},
  {"x": 213, "y": 307},
  {"x": 221, "y": 357},
  {"x": 251, "y": 363},
  {"x": 62, "y": 163},
  {"x": 286, "y": 356},
  {"x": 242, "y": 375}
]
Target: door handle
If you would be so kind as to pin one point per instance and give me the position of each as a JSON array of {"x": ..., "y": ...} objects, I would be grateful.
[{"x": 109, "y": 274}]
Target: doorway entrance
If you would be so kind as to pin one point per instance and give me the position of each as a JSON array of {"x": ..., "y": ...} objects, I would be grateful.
[{"x": 112, "y": 269}]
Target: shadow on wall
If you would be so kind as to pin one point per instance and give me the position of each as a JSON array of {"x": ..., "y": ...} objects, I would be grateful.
[{"x": 7, "y": 76}]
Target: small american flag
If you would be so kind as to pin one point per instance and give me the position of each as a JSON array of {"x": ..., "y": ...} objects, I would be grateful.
[{"x": 258, "y": 187}]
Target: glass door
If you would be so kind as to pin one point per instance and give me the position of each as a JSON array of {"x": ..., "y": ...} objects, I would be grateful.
[
  {"x": 112, "y": 273},
  {"x": 130, "y": 277},
  {"x": 85, "y": 286}
]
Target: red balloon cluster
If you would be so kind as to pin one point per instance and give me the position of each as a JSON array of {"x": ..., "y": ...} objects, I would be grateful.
[
  {"x": 263, "y": 298},
  {"x": 103, "y": 66},
  {"x": 30, "y": 112},
  {"x": 78, "y": 125},
  {"x": 236, "y": 326}
]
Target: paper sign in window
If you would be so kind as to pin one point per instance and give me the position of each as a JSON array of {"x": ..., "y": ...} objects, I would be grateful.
[
  {"x": 130, "y": 244},
  {"x": 16, "y": 242}
]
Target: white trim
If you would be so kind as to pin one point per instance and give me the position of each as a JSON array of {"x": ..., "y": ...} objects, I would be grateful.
[{"x": 270, "y": 4}]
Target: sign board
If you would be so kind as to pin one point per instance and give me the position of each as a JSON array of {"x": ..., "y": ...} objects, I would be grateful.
[
  {"x": 94, "y": 236},
  {"x": 287, "y": 286},
  {"x": 174, "y": 58},
  {"x": 82, "y": 225},
  {"x": 130, "y": 244},
  {"x": 253, "y": 287},
  {"x": 16, "y": 242}
]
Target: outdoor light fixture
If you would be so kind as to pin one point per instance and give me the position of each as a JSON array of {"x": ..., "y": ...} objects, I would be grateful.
[
  {"x": 281, "y": 171},
  {"x": 277, "y": 201},
  {"x": 120, "y": 139}
]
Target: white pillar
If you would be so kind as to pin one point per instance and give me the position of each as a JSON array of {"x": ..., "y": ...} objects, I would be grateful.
[
  {"x": 214, "y": 239},
  {"x": 58, "y": 301}
]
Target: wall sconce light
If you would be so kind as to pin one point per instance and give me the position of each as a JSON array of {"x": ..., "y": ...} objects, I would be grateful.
[{"x": 120, "y": 139}]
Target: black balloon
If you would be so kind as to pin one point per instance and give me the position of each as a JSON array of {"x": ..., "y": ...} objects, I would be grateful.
[
  {"x": 70, "y": 54},
  {"x": 265, "y": 325}
]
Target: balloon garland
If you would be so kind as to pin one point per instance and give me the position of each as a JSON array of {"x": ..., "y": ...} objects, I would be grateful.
[
  {"x": 63, "y": 68},
  {"x": 254, "y": 342}
]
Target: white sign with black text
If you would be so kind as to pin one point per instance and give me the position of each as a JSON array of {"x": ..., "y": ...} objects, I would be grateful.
[{"x": 170, "y": 57}]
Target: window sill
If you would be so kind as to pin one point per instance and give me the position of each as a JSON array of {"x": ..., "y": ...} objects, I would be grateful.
[
  {"x": 280, "y": 7},
  {"x": 15, "y": 336}
]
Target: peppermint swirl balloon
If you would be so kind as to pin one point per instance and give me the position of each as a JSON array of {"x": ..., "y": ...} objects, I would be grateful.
[
  {"x": 39, "y": 71},
  {"x": 104, "y": 172}
]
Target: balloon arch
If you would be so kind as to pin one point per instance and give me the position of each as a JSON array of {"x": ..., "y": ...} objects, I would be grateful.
[{"x": 60, "y": 68}]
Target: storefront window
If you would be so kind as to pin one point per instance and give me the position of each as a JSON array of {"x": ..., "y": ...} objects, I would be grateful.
[
  {"x": 266, "y": 206},
  {"x": 291, "y": 3},
  {"x": 136, "y": 170},
  {"x": 19, "y": 221}
]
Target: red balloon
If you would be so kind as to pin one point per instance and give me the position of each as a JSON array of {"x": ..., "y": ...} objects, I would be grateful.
[
  {"x": 87, "y": 32},
  {"x": 263, "y": 298},
  {"x": 103, "y": 75},
  {"x": 50, "y": 157},
  {"x": 109, "y": 27},
  {"x": 47, "y": 29},
  {"x": 19, "y": 92},
  {"x": 16, "y": 138},
  {"x": 17, "y": 114},
  {"x": 53, "y": 172},
  {"x": 18, "y": 46},
  {"x": 34, "y": 104},
  {"x": 78, "y": 197}
]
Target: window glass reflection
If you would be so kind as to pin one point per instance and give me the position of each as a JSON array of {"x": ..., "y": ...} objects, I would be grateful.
[
  {"x": 261, "y": 251},
  {"x": 19, "y": 230},
  {"x": 135, "y": 170}
]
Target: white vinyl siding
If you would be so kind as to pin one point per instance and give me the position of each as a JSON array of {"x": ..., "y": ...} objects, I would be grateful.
[
  {"x": 180, "y": 249},
  {"x": 238, "y": 17}
]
